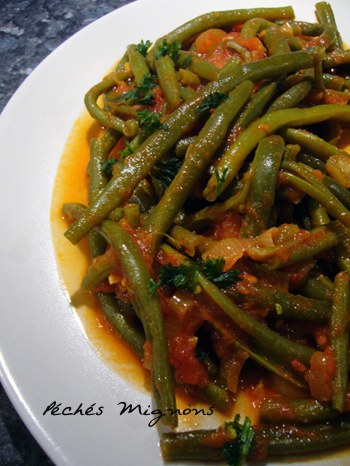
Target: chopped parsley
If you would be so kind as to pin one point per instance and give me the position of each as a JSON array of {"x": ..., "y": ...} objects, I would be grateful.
[
  {"x": 211, "y": 101},
  {"x": 167, "y": 170},
  {"x": 169, "y": 48},
  {"x": 147, "y": 83},
  {"x": 213, "y": 269},
  {"x": 127, "y": 151},
  {"x": 151, "y": 122},
  {"x": 201, "y": 354},
  {"x": 183, "y": 277},
  {"x": 143, "y": 47},
  {"x": 220, "y": 179},
  {"x": 149, "y": 99},
  {"x": 108, "y": 166},
  {"x": 236, "y": 451},
  {"x": 187, "y": 61}
]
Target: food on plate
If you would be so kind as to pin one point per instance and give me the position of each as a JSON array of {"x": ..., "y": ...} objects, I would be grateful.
[{"x": 218, "y": 223}]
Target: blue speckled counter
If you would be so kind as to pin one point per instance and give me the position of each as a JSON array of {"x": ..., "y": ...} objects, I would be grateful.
[{"x": 29, "y": 31}]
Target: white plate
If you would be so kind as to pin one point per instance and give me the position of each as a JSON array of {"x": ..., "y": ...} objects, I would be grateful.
[{"x": 45, "y": 356}]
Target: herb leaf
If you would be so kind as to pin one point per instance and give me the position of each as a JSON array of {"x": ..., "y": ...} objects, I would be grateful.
[
  {"x": 171, "y": 49},
  {"x": 211, "y": 101},
  {"x": 147, "y": 83},
  {"x": 167, "y": 170},
  {"x": 142, "y": 47},
  {"x": 183, "y": 277},
  {"x": 151, "y": 121},
  {"x": 187, "y": 61},
  {"x": 148, "y": 99},
  {"x": 220, "y": 179},
  {"x": 213, "y": 269},
  {"x": 201, "y": 354},
  {"x": 236, "y": 451},
  {"x": 128, "y": 151},
  {"x": 108, "y": 166}
]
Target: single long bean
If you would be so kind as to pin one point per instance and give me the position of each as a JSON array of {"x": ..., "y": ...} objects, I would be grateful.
[
  {"x": 265, "y": 167},
  {"x": 233, "y": 159},
  {"x": 339, "y": 339},
  {"x": 168, "y": 81}
]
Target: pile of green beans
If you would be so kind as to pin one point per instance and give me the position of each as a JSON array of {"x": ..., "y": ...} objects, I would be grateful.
[{"x": 225, "y": 171}]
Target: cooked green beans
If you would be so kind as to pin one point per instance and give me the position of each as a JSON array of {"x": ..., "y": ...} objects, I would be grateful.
[{"x": 218, "y": 222}]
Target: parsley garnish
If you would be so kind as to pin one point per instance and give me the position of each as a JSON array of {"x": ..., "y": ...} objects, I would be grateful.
[
  {"x": 108, "y": 166},
  {"x": 171, "y": 49},
  {"x": 211, "y": 101},
  {"x": 201, "y": 354},
  {"x": 213, "y": 269},
  {"x": 128, "y": 151},
  {"x": 167, "y": 170},
  {"x": 151, "y": 121},
  {"x": 183, "y": 277},
  {"x": 220, "y": 179},
  {"x": 147, "y": 83},
  {"x": 148, "y": 99},
  {"x": 236, "y": 451},
  {"x": 187, "y": 61},
  {"x": 142, "y": 47}
]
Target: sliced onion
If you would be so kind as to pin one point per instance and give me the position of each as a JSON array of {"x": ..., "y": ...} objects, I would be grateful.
[
  {"x": 231, "y": 249},
  {"x": 338, "y": 166},
  {"x": 320, "y": 375}
]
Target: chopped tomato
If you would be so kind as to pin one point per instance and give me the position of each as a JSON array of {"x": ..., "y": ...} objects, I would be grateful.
[
  {"x": 188, "y": 368},
  {"x": 208, "y": 40},
  {"x": 334, "y": 97}
]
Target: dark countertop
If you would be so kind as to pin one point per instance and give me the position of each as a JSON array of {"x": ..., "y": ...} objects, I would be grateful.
[{"x": 29, "y": 31}]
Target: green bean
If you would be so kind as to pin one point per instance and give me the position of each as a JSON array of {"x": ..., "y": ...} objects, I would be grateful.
[
  {"x": 138, "y": 63},
  {"x": 124, "y": 324},
  {"x": 318, "y": 286},
  {"x": 231, "y": 64},
  {"x": 137, "y": 166},
  {"x": 337, "y": 190},
  {"x": 264, "y": 126},
  {"x": 299, "y": 411},
  {"x": 274, "y": 440},
  {"x": 196, "y": 160},
  {"x": 168, "y": 81},
  {"x": 98, "y": 271},
  {"x": 325, "y": 15},
  {"x": 319, "y": 239},
  {"x": 190, "y": 242},
  {"x": 132, "y": 215},
  {"x": 292, "y": 96},
  {"x": 252, "y": 27},
  {"x": 339, "y": 339},
  {"x": 138, "y": 278},
  {"x": 183, "y": 145},
  {"x": 287, "y": 305},
  {"x": 275, "y": 41},
  {"x": 311, "y": 161},
  {"x": 318, "y": 214},
  {"x": 342, "y": 256},
  {"x": 310, "y": 142},
  {"x": 188, "y": 78},
  {"x": 117, "y": 314},
  {"x": 277, "y": 344},
  {"x": 303, "y": 179},
  {"x": 217, "y": 395},
  {"x": 202, "y": 68},
  {"x": 261, "y": 197},
  {"x": 336, "y": 58},
  {"x": 128, "y": 128},
  {"x": 186, "y": 93},
  {"x": 253, "y": 109},
  {"x": 219, "y": 19}
]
